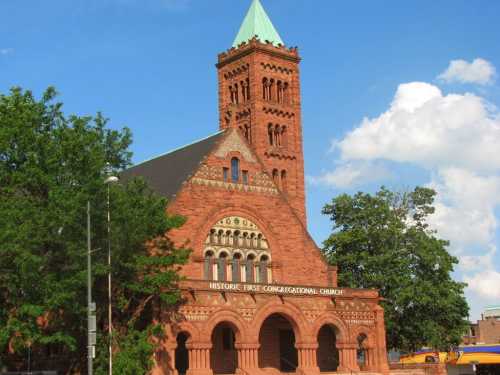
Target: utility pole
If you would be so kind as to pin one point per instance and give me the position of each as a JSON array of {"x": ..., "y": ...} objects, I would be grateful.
[{"x": 91, "y": 319}]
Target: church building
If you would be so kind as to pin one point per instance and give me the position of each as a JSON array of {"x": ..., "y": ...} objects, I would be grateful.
[{"x": 258, "y": 295}]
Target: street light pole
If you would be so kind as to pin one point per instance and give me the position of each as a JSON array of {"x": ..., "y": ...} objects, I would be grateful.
[{"x": 108, "y": 182}]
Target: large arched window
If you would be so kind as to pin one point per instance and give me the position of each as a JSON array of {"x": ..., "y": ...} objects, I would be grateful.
[
  {"x": 235, "y": 169},
  {"x": 237, "y": 250},
  {"x": 236, "y": 268},
  {"x": 263, "y": 279},
  {"x": 208, "y": 270},
  {"x": 249, "y": 269},
  {"x": 221, "y": 267}
]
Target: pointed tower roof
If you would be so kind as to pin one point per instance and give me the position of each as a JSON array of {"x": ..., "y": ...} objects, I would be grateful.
[{"x": 257, "y": 23}]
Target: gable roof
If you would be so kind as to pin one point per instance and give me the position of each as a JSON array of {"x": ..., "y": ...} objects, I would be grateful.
[
  {"x": 165, "y": 174},
  {"x": 257, "y": 23}
]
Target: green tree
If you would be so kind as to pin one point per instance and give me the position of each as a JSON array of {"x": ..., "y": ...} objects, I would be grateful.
[
  {"x": 383, "y": 241},
  {"x": 50, "y": 166}
]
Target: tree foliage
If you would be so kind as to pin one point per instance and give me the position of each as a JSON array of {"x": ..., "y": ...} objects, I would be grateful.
[
  {"x": 383, "y": 241},
  {"x": 50, "y": 166}
]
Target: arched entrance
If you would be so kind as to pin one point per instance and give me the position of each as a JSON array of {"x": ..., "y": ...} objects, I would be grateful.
[
  {"x": 361, "y": 352},
  {"x": 181, "y": 354},
  {"x": 224, "y": 357},
  {"x": 277, "y": 344},
  {"x": 327, "y": 355}
]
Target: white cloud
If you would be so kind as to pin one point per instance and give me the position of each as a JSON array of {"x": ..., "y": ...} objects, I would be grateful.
[
  {"x": 425, "y": 127},
  {"x": 465, "y": 207},
  {"x": 486, "y": 284},
  {"x": 6, "y": 51},
  {"x": 476, "y": 263},
  {"x": 478, "y": 71},
  {"x": 349, "y": 175}
]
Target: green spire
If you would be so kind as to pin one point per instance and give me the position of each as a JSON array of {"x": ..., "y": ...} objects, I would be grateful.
[{"x": 257, "y": 23}]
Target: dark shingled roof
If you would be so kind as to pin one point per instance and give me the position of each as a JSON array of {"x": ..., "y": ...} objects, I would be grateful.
[{"x": 166, "y": 173}]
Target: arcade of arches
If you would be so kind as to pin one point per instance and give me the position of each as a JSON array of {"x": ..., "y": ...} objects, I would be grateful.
[{"x": 278, "y": 343}]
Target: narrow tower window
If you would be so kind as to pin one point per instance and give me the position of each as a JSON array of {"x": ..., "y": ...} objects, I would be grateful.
[
  {"x": 246, "y": 132},
  {"x": 270, "y": 133},
  {"x": 248, "y": 89},
  {"x": 280, "y": 92},
  {"x": 264, "y": 89},
  {"x": 277, "y": 136},
  {"x": 243, "y": 91},
  {"x": 235, "y": 169},
  {"x": 275, "y": 176},
  {"x": 283, "y": 180}
]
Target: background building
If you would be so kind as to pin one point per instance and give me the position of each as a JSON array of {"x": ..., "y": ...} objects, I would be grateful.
[{"x": 486, "y": 330}]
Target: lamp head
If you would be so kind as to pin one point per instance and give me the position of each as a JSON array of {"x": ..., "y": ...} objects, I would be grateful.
[{"x": 111, "y": 180}]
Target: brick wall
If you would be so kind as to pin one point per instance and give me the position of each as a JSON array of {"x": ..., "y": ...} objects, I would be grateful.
[{"x": 489, "y": 331}]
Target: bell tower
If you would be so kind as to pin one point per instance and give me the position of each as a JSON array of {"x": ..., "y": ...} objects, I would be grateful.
[{"x": 259, "y": 94}]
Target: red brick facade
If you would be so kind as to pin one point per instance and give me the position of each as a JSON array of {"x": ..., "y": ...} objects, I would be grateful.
[{"x": 258, "y": 295}]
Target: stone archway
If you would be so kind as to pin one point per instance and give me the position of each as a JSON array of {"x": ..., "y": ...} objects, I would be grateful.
[
  {"x": 182, "y": 353},
  {"x": 366, "y": 357},
  {"x": 224, "y": 356},
  {"x": 332, "y": 335},
  {"x": 277, "y": 341},
  {"x": 327, "y": 355},
  {"x": 362, "y": 351}
]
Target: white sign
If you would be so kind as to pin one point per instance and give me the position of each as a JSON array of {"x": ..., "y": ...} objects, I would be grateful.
[{"x": 276, "y": 289}]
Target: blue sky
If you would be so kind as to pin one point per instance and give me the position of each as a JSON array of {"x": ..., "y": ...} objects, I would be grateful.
[{"x": 421, "y": 73}]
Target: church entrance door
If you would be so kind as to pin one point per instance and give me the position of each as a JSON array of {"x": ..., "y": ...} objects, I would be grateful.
[
  {"x": 181, "y": 354},
  {"x": 288, "y": 353},
  {"x": 277, "y": 344}
]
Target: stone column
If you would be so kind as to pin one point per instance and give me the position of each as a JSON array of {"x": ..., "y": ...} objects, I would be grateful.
[
  {"x": 199, "y": 358},
  {"x": 347, "y": 357},
  {"x": 307, "y": 357},
  {"x": 368, "y": 365},
  {"x": 248, "y": 357},
  {"x": 380, "y": 351}
]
